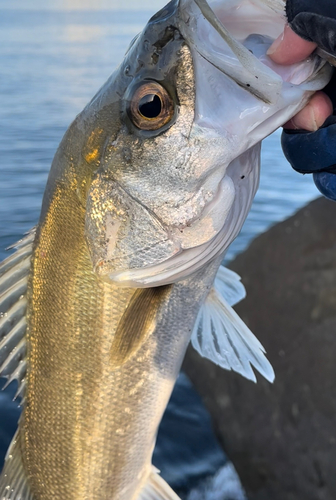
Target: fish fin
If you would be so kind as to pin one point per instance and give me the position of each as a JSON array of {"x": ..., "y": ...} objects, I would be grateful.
[
  {"x": 14, "y": 273},
  {"x": 156, "y": 488},
  {"x": 137, "y": 323},
  {"x": 13, "y": 480},
  {"x": 229, "y": 285},
  {"x": 221, "y": 336}
]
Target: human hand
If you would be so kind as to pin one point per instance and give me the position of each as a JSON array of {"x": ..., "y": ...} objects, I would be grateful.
[
  {"x": 313, "y": 152},
  {"x": 290, "y": 48}
]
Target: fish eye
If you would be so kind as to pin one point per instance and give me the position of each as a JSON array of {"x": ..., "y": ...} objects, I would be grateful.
[{"x": 150, "y": 107}]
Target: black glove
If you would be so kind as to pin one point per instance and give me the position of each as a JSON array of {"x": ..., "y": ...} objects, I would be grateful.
[
  {"x": 315, "y": 152},
  {"x": 315, "y": 21}
]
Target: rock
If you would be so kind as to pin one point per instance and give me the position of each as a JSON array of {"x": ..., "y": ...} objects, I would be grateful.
[{"x": 282, "y": 437}]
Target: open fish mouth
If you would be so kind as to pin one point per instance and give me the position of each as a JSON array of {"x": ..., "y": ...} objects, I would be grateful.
[
  {"x": 241, "y": 97},
  {"x": 235, "y": 35},
  {"x": 229, "y": 40}
]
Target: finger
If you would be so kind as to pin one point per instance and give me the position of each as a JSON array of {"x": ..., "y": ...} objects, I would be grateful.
[
  {"x": 289, "y": 48},
  {"x": 313, "y": 115}
]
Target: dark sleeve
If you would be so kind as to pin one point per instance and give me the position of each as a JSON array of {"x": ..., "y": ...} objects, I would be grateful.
[
  {"x": 314, "y": 20},
  {"x": 310, "y": 152},
  {"x": 314, "y": 153}
]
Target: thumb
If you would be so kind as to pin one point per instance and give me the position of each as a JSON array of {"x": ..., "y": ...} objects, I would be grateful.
[{"x": 289, "y": 48}]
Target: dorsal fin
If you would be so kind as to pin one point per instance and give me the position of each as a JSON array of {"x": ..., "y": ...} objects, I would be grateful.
[
  {"x": 221, "y": 336},
  {"x": 14, "y": 273}
]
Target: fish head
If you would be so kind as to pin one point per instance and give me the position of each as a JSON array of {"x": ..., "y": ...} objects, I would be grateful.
[
  {"x": 161, "y": 187},
  {"x": 192, "y": 100}
]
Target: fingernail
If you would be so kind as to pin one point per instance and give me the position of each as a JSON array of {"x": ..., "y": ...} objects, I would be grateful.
[
  {"x": 306, "y": 120},
  {"x": 274, "y": 47}
]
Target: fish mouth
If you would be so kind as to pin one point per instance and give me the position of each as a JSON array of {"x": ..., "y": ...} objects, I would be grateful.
[{"x": 235, "y": 36}]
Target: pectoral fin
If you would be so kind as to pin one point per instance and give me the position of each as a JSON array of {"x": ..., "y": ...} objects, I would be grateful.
[
  {"x": 221, "y": 336},
  {"x": 137, "y": 323},
  {"x": 156, "y": 488},
  {"x": 228, "y": 284},
  {"x": 14, "y": 273}
]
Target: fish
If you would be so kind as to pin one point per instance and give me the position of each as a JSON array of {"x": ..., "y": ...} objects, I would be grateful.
[{"x": 149, "y": 186}]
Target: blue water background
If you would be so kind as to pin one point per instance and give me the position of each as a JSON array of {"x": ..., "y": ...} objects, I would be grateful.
[{"x": 54, "y": 55}]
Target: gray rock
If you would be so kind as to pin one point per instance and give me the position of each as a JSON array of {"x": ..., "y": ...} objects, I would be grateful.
[{"x": 282, "y": 437}]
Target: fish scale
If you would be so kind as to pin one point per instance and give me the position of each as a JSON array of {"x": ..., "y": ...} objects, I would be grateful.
[{"x": 76, "y": 393}]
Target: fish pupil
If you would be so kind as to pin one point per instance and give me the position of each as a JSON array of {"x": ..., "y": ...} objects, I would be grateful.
[{"x": 150, "y": 106}]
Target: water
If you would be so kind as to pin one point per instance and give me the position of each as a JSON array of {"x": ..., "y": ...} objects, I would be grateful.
[{"x": 54, "y": 55}]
